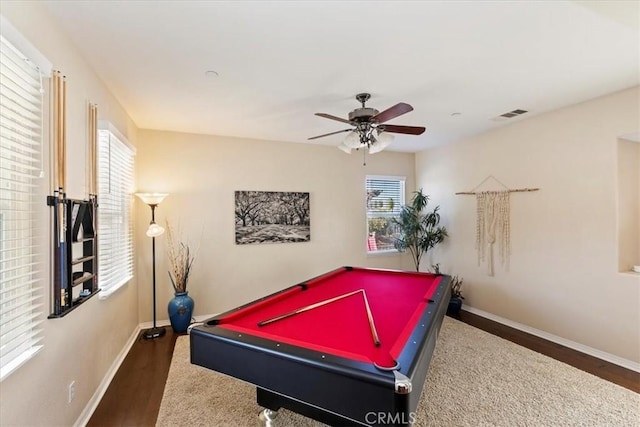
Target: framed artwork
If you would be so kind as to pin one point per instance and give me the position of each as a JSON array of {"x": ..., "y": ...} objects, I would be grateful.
[{"x": 272, "y": 217}]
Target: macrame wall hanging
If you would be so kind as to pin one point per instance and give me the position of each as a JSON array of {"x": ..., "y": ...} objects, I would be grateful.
[{"x": 493, "y": 223}]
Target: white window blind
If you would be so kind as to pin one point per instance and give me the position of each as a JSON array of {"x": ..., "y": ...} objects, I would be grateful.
[
  {"x": 22, "y": 209},
  {"x": 115, "y": 189},
  {"x": 385, "y": 197}
]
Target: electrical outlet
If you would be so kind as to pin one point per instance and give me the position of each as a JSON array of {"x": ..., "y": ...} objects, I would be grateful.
[{"x": 72, "y": 391}]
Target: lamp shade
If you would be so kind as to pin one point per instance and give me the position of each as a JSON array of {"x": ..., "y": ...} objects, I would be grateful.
[
  {"x": 352, "y": 140},
  {"x": 152, "y": 198},
  {"x": 382, "y": 141},
  {"x": 344, "y": 148},
  {"x": 385, "y": 138},
  {"x": 155, "y": 230}
]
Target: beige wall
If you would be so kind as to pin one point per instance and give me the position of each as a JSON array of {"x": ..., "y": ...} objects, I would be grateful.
[
  {"x": 84, "y": 344},
  {"x": 628, "y": 204},
  {"x": 201, "y": 174},
  {"x": 564, "y": 276}
]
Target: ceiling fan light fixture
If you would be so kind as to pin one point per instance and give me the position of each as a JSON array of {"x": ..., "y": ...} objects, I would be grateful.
[
  {"x": 375, "y": 148},
  {"x": 382, "y": 141},
  {"x": 370, "y": 129},
  {"x": 384, "y": 138},
  {"x": 344, "y": 148},
  {"x": 352, "y": 140}
]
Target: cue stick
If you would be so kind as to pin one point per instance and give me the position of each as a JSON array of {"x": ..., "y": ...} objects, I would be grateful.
[
  {"x": 372, "y": 325},
  {"x": 307, "y": 308},
  {"x": 63, "y": 134}
]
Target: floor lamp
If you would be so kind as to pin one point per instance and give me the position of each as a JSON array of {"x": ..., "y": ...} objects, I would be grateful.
[{"x": 154, "y": 230}]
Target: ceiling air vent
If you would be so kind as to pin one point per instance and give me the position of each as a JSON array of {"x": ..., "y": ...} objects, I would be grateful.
[{"x": 509, "y": 115}]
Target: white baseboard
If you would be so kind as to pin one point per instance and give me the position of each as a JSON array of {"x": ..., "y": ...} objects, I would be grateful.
[
  {"x": 612, "y": 358},
  {"x": 93, "y": 403}
]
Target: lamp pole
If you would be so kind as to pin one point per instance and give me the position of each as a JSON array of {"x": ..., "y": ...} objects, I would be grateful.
[
  {"x": 154, "y": 332},
  {"x": 153, "y": 199}
]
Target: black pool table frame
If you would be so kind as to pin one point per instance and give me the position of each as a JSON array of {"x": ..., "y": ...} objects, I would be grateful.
[{"x": 331, "y": 389}]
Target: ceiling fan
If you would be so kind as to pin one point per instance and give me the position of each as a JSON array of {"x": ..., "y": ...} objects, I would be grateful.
[{"x": 369, "y": 128}]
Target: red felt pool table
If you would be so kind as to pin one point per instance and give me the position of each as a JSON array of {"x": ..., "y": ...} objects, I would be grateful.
[{"x": 350, "y": 347}]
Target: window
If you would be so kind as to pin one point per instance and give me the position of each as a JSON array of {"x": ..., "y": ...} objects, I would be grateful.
[
  {"x": 385, "y": 198},
  {"x": 22, "y": 209},
  {"x": 115, "y": 189}
]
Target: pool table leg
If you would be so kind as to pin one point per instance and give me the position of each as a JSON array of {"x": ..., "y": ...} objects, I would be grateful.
[
  {"x": 267, "y": 416},
  {"x": 274, "y": 401}
]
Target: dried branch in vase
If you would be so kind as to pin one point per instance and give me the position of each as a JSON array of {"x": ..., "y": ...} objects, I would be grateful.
[{"x": 180, "y": 260}]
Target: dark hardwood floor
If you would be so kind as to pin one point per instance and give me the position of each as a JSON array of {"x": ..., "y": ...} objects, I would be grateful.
[{"x": 134, "y": 395}]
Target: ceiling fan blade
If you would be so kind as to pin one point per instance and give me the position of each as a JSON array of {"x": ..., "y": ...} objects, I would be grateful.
[
  {"x": 328, "y": 134},
  {"x": 411, "y": 130},
  {"x": 329, "y": 116},
  {"x": 392, "y": 112}
]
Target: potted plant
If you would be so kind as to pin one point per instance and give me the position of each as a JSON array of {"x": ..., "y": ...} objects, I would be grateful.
[
  {"x": 455, "y": 303},
  {"x": 418, "y": 230},
  {"x": 180, "y": 263}
]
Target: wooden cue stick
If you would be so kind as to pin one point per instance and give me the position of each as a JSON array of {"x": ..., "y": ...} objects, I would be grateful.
[
  {"x": 59, "y": 133},
  {"x": 59, "y": 157},
  {"x": 92, "y": 131},
  {"x": 56, "y": 101},
  {"x": 90, "y": 142},
  {"x": 307, "y": 308},
  {"x": 87, "y": 170},
  {"x": 64, "y": 132},
  {"x": 372, "y": 325},
  {"x": 94, "y": 155},
  {"x": 57, "y": 115},
  {"x": 54, "y": 104},
  {"x": 92, "y": 161},
  {"x": 54, "y": 136},
  {"x": 94, "y": 152}
]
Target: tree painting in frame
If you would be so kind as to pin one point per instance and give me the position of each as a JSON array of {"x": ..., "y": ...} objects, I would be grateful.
[{"x": 272, "y": 217}]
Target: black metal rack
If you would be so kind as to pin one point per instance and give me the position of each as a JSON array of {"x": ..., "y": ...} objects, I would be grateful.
[{"x": 75, "y": 253}]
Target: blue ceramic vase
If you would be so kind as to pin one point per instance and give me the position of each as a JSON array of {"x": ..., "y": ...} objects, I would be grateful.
[{"x": 180, "y": 311}]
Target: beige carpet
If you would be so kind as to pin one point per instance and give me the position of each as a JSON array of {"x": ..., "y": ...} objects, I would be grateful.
[{"x": 475, "y": 379}]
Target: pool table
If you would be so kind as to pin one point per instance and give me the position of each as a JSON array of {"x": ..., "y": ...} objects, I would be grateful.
[{"x": 349, "y": 347}]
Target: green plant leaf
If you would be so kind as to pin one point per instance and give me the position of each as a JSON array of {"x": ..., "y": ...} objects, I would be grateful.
[{"x": 419, "y": 231}]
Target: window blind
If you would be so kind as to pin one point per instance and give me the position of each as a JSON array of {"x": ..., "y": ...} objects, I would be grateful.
[
  {"x": 115, "y": 189},
  {"x": 22, "y": 209},
  {"x": 385, "y": 198}
]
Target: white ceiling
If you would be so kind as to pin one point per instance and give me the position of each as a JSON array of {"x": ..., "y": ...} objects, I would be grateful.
[{"x": 279, "y": 62}]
